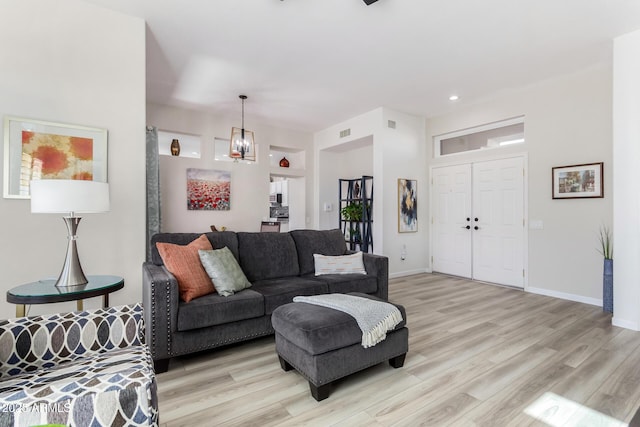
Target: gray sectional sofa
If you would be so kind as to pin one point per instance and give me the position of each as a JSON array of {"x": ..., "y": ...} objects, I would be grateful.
[{"x": 279, "y": 266}]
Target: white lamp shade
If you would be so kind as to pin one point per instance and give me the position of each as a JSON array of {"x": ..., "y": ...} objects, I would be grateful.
[{"x": 65, "y": 196}]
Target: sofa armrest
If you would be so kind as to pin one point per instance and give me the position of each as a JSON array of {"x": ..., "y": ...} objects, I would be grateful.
[
  {"x": 377, "y": 265},
  {"x": 160, "y": 298},
  {"x": 33, "y": 343}
]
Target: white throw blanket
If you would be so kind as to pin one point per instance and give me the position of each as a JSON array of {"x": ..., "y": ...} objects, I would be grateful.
[{"x": 375, "y": 318}]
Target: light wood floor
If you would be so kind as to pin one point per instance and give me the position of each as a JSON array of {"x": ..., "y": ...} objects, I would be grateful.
[{"x": 479, "y": 355}]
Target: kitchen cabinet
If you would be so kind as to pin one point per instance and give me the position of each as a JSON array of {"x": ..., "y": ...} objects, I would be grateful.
[
  {"x": 275, "y": 187},
  {"x": 280, "y": 187},
  {"x": 284, "y": 189}
]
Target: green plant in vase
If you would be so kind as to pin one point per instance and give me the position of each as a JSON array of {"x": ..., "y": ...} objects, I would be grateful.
[
  {"x": 606, "y": 242},
  {"x": 352, "y": 212}
]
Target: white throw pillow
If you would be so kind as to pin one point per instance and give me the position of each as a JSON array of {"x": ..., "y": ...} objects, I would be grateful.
[{"x": 342, "y": 264}]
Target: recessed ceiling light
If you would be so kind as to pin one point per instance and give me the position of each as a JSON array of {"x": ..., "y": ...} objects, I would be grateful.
[{"x": 453, "y": 98}]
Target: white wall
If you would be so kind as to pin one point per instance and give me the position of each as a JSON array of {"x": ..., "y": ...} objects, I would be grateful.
[
  {"x": 397, "y": 153},
  {"x": 626, "y": 155},
  {"x": 327, "y": 179},
  {"x": 71, "y": 62},
  {"x": 567, "y": 122},
  {"x": 249, "y": 182},
  {"x": 338, "y": 164},
  {"x": 297, "y": 194},
  {"x": 401, "y": 153}
]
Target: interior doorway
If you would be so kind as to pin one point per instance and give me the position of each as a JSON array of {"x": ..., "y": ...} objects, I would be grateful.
[{"x": 478, "y": 223}]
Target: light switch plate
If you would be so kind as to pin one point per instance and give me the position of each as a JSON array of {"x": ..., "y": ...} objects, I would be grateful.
[{"x": 536, "y": 224}]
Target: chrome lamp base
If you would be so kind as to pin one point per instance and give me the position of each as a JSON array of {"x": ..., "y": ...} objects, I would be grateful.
[{"x": 71, "y": 274}]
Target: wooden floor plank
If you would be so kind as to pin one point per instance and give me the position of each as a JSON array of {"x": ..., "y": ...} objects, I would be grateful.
[
  {"x": 620, "y": 390},
  {"x": 479, "y": 355},
  {"x": 439, "y": 413},
  {"x": 427, "y": 392},
  {"x": 503, "y": 374},
  {"x": 507, "y": 404}
]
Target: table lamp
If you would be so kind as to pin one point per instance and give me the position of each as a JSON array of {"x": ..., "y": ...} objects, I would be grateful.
[{"x": 72, "y": 197}]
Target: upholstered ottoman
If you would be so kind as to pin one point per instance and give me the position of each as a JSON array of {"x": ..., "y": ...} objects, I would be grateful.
[{"x": 324, "y": 344}]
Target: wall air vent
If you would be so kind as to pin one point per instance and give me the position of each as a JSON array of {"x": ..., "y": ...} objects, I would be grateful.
[
  {"x": 391, "y": 124},
  {"x": 344, "y": 133}
]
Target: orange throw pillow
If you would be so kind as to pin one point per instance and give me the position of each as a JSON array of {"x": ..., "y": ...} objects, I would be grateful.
[{"x": 184, "y": 263}]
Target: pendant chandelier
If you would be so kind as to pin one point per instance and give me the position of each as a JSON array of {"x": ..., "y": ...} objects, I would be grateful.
[{"x": 242, "y": 145}]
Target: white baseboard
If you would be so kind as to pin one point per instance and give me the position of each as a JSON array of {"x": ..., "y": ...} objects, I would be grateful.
[
  {"x": 563, "y": 295},
  {"x": 409, "y": 273},
  {"x": 627, "y": 324}
]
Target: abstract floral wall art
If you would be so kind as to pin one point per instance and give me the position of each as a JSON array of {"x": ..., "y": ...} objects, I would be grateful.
[
  {"x": 36, "y": 149},
  {"x": 208, "y": 190},
  {"x": 58, "y": 156}
]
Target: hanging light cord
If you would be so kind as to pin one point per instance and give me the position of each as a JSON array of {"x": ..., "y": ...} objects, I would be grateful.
[{"x": 244, "y": 142}]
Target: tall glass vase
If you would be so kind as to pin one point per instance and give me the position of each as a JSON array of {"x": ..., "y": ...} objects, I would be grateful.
[{"x": 607, "y": 286}]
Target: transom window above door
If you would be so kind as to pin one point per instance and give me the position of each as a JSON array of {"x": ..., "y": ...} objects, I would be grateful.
[{"x": 489, "y": 136}]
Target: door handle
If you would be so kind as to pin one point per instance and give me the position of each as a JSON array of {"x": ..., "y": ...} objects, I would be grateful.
[
  {"x": 476, "y": 228},
  {"x": 475, "y": 219},
  {"x": 468, "y": 227}
]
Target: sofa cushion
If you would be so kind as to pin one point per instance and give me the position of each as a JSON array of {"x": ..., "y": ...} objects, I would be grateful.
[
  {"x": 277, "y": 292},
  {"x": 318, "y": 329},
  {"x": 215, "y": 309},
  {"x": 323, "y": 242},
  {"x": 267, "y": 255},
  {"x": 340, "y": 264},
  {"x": 345, "y": 283},
  {"x": 218, "y": 240},
  {"x": 224, "y": 271},
  {"x": 97, "y": 389},
  {"x": 184, "y": 263}
]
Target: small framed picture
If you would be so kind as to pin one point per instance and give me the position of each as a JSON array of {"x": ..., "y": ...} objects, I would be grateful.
[
  {"x": 35, "y": 149},
  {"x": 577, "y": 181},
  {"x": 407, "y": 205}
]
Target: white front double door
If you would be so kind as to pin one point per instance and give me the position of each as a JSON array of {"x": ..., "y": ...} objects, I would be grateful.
[{"x": 478, "y": 221}]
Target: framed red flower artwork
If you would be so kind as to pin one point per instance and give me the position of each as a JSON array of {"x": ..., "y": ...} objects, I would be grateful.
[
  {"x": 208, "y": 190},
  {"x": 36, "y": 149}
]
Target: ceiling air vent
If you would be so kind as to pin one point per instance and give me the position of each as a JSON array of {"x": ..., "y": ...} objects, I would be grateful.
[
  {"x": 345, "y": 132},
  {"x": 391, "y": 124}
]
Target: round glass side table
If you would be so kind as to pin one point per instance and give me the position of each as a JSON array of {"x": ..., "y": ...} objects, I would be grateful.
[{"x": 45, "y": 292}]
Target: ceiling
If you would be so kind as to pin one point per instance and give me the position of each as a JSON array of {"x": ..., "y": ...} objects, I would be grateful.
[{"x": 310, "y": 64}]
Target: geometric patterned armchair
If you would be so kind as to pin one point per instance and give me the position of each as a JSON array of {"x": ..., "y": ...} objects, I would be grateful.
[{"x": 87, "y": 368}]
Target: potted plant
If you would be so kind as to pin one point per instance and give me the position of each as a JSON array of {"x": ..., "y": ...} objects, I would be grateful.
[
  {"x": 352, "y": 212},
  {"x": 355, "y": 234},
  {"x": 606, "y": 249}
]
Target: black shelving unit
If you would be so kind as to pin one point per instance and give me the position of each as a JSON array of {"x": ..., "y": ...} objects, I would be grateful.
[{"x": 358, "y": 194}]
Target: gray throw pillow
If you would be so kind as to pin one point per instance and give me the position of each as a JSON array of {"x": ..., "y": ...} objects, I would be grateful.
[{"x": 224, "y": 271}]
